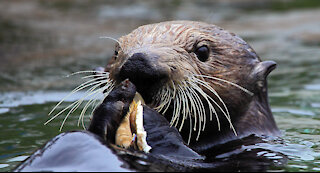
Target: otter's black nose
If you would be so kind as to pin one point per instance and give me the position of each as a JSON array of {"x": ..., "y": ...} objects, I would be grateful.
[
  {"x": 142, "y": 68},
  {"x": 137, "y": 66},
  {"x": 144, "y": 71}
]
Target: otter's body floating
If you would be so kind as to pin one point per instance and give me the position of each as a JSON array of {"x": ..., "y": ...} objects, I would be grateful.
[{"x": 204, "y": 88}]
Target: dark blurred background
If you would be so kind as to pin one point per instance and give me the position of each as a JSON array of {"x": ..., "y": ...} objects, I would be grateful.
[
  {"x": 43, "y": 41},
  {"x": 40, "y": 40}
]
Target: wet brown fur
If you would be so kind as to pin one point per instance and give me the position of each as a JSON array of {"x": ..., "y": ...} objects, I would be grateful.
[{"x": 170, "y": 48}]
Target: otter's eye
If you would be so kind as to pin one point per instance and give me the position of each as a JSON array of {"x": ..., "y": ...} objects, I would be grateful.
[{"x": 202, "y": 53}]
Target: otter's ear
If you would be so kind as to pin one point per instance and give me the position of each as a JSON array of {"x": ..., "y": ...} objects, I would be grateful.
[{"x": 261, "y": 71}]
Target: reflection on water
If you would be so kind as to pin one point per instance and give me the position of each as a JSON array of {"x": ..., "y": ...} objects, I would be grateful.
[{"x": 42, "y": 41}]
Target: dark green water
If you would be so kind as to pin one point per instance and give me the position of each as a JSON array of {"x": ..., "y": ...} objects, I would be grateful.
[{"x": 38, "y": 48}]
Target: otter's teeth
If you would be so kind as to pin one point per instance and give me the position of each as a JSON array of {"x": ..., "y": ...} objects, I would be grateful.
[{"x": 132, "y": 126}]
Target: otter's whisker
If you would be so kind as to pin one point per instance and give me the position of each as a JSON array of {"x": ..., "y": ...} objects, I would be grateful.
[
  {"x": 84, "y": 110},
  {"x": 170, "y": 99},
  {"x": 85, "y": 107},
  {"x": 174, "y": 90},
  {"x": 192, "y": 112},
  {"x": 186, "y": 101},
  {"x": 190, "y": 131},
  {"x": 219, "y": 98},
  {"x": 173, "y": 112},
  {"x": 176, "y": 109},
  {"x": 206, "y": 85},
  {"x": 74, "y": 104},
  {"x": 110, "y": 39},
  {"x": 106, "y": 87},
  {"x": 199, "y": 110},
  {"x": 179, "y": 105},
  {"x": 177, "y": 117},
  {"x": 80, "y": 87},
  {"x": 231, "y": 83},
  {"x": 182, "y": 99},
  {"x": 211, "y": 108},
  {"x": 87, "y": 71},
  {"x": 90, "y": 92},
  {"x": 106, "y": 93},
  {"x": 193, "y": 108},
  {"x": 227, "y": 115},
  {"x": 194, "y": 86},
  {"x": 97, "y": 83},
  {"x": 163, "y": 93},
  {"x": 52, "y": 118},
  {"x": 95, "y": 76},
  {"x": 93, "y": 107},
  {"x": 167, "y": 99}
]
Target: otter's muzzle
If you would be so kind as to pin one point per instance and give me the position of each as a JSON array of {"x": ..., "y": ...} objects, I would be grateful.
[{"x": 144, "y": 71}]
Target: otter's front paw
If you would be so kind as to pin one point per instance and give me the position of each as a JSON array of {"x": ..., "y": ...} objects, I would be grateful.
[{"x": 108, "y": 115}]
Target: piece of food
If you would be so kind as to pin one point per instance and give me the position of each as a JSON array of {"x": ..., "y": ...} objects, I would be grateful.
[{"x": 131, "y": 131}]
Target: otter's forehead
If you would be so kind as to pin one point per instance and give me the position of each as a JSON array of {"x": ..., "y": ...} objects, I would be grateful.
[
  {"x": 184, "y": 34},
  {"x": 176, "y": 33}
]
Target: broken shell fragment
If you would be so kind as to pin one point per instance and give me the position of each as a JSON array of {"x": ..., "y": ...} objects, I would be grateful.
[{"x": 131, "y": 131}]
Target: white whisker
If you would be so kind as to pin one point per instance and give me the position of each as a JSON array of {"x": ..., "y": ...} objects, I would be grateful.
[
  {"x": 181, "y": 99},
  {"x": 89, "y": 93},
  {"x": 231, "y": 83},
  {"x": 80, "y": 87},
  {"x": 96, "y": 75},
  {"x": 199, "y": 109},
  {"x": 84, "y": 110},
  {"x": 99, "y": 79},
  {"x": 167, "y": 100},
  {"x": 87, "y": 71},
  {"x": 110, "y": 39},
  {"x": 205, "y": 96},
  {"x": 191, "y": 101},
  {"x": 94, "y": 98},
  {"x": 227, "y": 115},
  {"x": 186, "y": 111}
]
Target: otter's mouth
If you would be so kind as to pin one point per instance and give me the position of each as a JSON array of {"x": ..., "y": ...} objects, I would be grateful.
[
  {"x": 148, "y": 88},
  {"x": 145, "y": 73}
]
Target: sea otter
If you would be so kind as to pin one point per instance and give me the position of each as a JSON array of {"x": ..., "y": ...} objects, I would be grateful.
[
  {"x": 205, "y": 80},
  {"x": 205, "y": 89}
]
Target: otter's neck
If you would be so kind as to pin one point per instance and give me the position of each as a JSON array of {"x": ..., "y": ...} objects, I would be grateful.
[{"x": 257, "y": 119}]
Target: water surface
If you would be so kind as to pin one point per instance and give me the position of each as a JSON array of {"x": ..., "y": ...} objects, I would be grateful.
[{"x": 38, "y": 49}]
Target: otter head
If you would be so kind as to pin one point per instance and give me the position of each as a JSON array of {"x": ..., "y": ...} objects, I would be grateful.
[{"x": 201, "y": 77}]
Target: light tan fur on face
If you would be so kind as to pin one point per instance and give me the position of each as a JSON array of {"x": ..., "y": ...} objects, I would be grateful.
[{"x": 191, "y": 81}]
